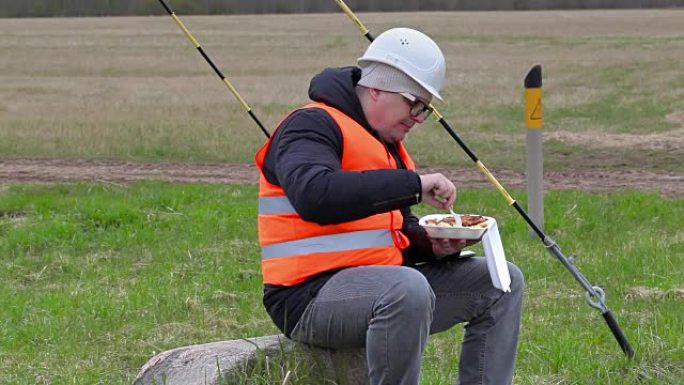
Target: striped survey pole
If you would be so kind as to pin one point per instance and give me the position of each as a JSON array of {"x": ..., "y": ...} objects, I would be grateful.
[
  {"x": 596, "y": 297},
  {"x": 534, "y": 121},
  {"x": 225, "y": 80}
]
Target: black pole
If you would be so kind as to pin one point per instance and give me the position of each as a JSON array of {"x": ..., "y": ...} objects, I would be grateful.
[
  {"x": 214, "y": 67},
  {"x": 595, "y": 295}
]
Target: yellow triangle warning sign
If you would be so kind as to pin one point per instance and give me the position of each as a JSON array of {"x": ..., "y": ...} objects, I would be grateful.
[
  {"x": 534, "y": 117},
  {"x": 537, "y": 111}
]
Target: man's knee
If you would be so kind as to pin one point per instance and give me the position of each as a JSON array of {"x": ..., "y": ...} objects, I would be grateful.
[
  {"x": 517, "y": 278},
  {"x": 413, "y": 291}
]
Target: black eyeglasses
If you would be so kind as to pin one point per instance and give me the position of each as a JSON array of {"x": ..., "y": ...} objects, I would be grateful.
[{"x": 418, "y": 107}]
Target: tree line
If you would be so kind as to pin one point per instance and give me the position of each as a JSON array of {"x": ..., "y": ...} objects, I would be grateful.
[{"x": 75, "y": 8}]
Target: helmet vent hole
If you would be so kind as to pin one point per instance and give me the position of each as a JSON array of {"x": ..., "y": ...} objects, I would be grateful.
[{"x": 404, "y": 41}]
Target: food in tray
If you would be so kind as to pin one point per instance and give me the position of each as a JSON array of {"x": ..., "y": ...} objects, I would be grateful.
[
  {"x": 473, "y": 221},
  {"x": 450, "y": 221},
  {"x": 463, "y": 226}
]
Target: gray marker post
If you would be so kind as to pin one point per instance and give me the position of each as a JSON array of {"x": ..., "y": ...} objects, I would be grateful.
[{"x": 534, "y": 121}]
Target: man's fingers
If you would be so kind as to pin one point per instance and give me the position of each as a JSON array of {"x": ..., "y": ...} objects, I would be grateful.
[{"x": 438, "y": 190}]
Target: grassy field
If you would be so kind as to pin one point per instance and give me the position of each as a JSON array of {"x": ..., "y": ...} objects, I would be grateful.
[
  {"x": 135, "y": 88},
  {"x": 97, "y": 278}
]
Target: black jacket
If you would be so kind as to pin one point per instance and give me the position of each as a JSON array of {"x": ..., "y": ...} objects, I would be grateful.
[{"x": 304, "y": 159}]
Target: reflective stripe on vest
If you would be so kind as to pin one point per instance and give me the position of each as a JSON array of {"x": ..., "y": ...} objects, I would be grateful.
[
  {"x": 275, "y": 205},
  {"x": 329, "y": 243}
]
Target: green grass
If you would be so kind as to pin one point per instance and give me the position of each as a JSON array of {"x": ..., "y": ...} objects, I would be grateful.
[{"x": 97, "y": 278}]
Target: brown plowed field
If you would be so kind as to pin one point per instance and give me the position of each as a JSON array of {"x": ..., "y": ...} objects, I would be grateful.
[{"x": 65, "y": 170}]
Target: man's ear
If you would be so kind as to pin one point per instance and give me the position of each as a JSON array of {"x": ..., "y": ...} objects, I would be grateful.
[{"x": 374, "y": 93}]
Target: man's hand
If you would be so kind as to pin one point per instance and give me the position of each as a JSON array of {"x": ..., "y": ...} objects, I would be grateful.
[
  {"x": 437, "y": 191},
  {"x": 442, "y": 247}
]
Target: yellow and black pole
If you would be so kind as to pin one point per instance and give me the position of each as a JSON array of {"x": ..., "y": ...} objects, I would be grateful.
[
  {"x": 228, "y": 84},
  {"x": 595, "y": 295},
  {"x": 534, "y": 120},
  {"x": 364, "y": 31}
]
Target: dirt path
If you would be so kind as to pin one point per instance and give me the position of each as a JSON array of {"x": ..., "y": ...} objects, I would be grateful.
[{"x": 66, "y": 170}]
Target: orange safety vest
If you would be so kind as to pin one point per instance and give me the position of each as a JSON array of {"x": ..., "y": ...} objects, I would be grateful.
[{"x": 293, "y": 249}]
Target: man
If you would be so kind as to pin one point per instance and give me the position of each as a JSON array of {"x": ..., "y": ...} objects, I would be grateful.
[{"x": 345, "y": 263}]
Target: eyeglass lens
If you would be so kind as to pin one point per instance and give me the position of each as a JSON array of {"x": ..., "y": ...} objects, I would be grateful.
[{"x": 417, "y": 106}]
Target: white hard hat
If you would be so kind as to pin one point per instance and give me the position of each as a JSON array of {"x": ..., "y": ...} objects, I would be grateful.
[{"x": 413, "y": 53}]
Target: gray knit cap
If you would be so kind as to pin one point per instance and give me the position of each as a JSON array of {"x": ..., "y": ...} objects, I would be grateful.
[{"x": 387, "y": 78}]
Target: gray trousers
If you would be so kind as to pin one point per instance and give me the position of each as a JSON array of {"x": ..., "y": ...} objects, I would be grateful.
[{"x": 391, "y": 310}]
